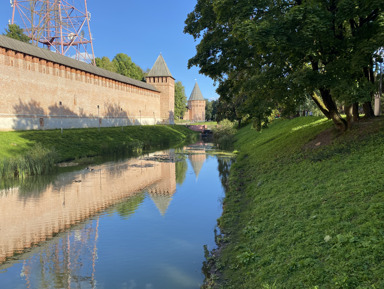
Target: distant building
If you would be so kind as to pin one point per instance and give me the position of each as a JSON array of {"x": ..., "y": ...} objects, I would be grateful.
[{"x": 196, "y": 106}]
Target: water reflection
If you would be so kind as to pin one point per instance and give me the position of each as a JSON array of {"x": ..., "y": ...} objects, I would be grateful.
[
  {"x": 197, "y": 156},
  {"x": 76, "y": 196},
  {"x": 117, "y": 225},
  {"x": 223, "y": 168}
]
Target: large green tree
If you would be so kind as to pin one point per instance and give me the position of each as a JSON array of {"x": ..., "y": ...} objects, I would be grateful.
[
  {"x": 180, "y": 100},
  {"x": 105, "y": 63},
  {"x": 125, "y": 66},
  {"x": 277, "y": 53},
  {"x": 121, "y": 64},
  {"x": 14, "y": 31}
]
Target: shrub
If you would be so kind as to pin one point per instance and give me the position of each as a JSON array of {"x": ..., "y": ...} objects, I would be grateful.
[{"x": 223, "y": 134}]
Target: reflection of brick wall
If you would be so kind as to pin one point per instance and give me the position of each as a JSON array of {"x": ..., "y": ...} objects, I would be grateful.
[
  {"x": 32, "y": 88},
  {"x": 66, "y": 202}
]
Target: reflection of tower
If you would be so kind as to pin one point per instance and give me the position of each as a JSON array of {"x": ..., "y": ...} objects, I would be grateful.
[
  {"x": 60, "y": 25},
  {"x": 197, "y": 160},
  {"x": 161, "y": 193},
  {"x": 197, "y": 157}
]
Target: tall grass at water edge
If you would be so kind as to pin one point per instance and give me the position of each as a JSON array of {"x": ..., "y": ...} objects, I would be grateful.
[
  {"x": 25, "y": 153},
  {"x": 36, "y": 161}
]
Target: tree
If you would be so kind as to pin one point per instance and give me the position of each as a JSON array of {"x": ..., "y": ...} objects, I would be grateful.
[
  {"x": 275, "y": 54},
  {"x": 210, "y": 109},
  {"x": 121, "y": 64},
  {"x": 180, "y": 100},
  {"x": 105, "y": 63},
  {"x": 126, "y": 67},
  {"x": 14, "y": 31}
]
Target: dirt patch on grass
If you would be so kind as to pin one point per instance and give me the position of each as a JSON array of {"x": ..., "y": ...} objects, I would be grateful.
[
  {"x": 359, "y": 131},
  {"x": 322, "y": 139}
]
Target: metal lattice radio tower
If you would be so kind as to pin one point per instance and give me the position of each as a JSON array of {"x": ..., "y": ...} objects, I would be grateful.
[{"x": 61, "y": 26}]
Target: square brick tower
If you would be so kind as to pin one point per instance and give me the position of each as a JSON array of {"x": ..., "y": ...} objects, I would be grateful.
[{"x": 161, "y": 78}]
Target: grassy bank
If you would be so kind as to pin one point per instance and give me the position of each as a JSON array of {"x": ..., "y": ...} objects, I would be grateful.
[
  {"x": 36, "y": 152},
  {"x": 304, "y": 208}
]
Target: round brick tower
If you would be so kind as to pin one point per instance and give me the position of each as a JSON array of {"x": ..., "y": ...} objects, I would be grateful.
[{"x": 196, "y": 105}]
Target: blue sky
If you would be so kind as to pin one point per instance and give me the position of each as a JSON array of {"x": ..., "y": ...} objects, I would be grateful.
[{"x": 142, "y": 30}]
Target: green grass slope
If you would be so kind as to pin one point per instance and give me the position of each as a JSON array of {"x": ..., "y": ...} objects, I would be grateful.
[
  {"x": 35, "y": 152},
  {"x": 301, "y": 214}
]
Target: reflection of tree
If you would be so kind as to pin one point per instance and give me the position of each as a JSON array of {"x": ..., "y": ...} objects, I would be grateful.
[
  {"x": 127, "y": 208},
  {"x": 28, "y": 187},
  {"x": 33, "y": 186},
  {"x": 181, "y": 171},
  {"x": 224, "y": 167}
]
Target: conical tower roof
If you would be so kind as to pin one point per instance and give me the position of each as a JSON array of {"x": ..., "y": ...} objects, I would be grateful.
[
  {"x": 197, "y": 160},
  {"x": 161, "y": 201},
  {"x": 196, "y": 93},
  {"x": 160, "y": 68}
]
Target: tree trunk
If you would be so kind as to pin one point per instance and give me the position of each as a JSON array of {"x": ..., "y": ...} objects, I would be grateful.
[
  {"x": 352, "y": 112},
  {"x": 348, "y": 109},
  {"x": 355, "y": 109},
  {"x": 321, "y": 105},
  {"x": 239, "y": 122},
  {"x": 334, "y": 114},
  {"x": 368, "y": 110},
  {"x": 257, "y": 123}
]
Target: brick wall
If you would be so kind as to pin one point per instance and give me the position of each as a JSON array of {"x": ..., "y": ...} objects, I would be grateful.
[
  {"x": 196, "y": 110},
  {"x": 166, "y": 86},
  {"x": 38, "y": 94}
]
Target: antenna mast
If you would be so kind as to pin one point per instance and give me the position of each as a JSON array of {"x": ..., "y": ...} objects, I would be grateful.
[{"x": 61, "y": 26}]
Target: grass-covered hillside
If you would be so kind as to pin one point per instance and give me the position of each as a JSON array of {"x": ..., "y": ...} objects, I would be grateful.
[
  {"x": 304, "y": 208},
  {"x": 35, "y": 152}
]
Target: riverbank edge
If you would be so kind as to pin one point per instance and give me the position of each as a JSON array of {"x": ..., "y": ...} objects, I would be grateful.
[
  {"x": 291, "y": 233},
  {"x": 25, "y": 153}
]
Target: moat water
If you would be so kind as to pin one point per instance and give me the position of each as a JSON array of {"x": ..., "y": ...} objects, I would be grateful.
[{"x": 136, "y": 223}]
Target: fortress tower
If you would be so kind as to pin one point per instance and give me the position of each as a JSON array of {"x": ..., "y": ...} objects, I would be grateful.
[
  {"x": 196, "y": 106},
  {"x": 161, "y": 78}
]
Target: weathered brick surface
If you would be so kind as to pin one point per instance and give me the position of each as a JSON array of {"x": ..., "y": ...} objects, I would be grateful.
[
  {"x": 166, "y": 86},
  {"x": 196, "y": 110},
  {"x": 38, "y": 94}
]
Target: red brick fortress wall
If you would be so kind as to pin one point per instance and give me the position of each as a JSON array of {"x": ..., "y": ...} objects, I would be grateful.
[{"x": 39, "y": 94}]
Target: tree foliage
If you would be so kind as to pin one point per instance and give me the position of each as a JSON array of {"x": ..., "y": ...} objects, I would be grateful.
[
  {"x": 121, "y": 64},
  {"x": 269, "y": 54},
  {"x": 126, "y": 67},
  {"x": 105, "y": 63},
  {"x": 180, "y": 100},
  {"x": 14, "y": 31},
  {"x": 210, "y": 109}
]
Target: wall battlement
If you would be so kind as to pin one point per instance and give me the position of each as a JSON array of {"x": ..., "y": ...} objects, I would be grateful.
[{"x": 38, "y": 92}]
